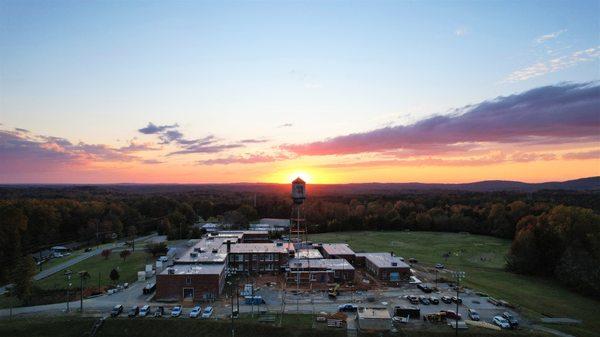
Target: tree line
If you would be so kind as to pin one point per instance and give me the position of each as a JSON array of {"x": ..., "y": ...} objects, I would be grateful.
[{"x": 34, "y": 218}]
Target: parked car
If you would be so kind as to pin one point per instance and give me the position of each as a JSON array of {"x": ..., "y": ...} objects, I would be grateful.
[
  {"x": 134, "y": 311},
  {"x": 451, "y": 314},
  {"x": 116, "y": 310},
  {"x": 413, "y": 260},
  {"x": 195, "y": 312},
  {"x": 511, "y": 319},
  {"x": 446, "y": 299},
  {"x": 413, "y": 299},
  {"x": 456, "y": 299},
  {"x": 347, "y": 307},
  {"x": 434, "y": 300},
  {"x": 145, "y": 311},
  {"x": 501, "y": 322},
  {"x": 473, "y": 315},
  {"x": 424, "y": 287},
  {"x": 439, "y": 266},
  {"x": 424, "y": 300},
  {"x": 88, "y": 249},
  {"x": 159, "y": 312},
  {"x": 207, "y": 312},
  {"x": 176, "y": 311}
]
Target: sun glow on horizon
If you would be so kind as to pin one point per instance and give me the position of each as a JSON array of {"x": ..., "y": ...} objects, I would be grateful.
[{"x": 300, "y": 174}]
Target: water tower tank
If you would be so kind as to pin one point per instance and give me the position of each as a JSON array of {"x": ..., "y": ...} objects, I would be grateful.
[{"x": 298, "y": 190}]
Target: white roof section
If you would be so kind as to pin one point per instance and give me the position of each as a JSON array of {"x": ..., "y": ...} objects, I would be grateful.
[
  {"x": 337, "y": 249},
  {"x": 308, "y": 254},
  {"x": 252, "y": 248},
  {"x": 384, "y": 260},
  {"x": 195, "y": 269},
  {"x": 373, "y": 313},
  {"x": 276, "y": 222},
  {"x": 207, "y": 250},
  {"x": 333, "y": 264}
]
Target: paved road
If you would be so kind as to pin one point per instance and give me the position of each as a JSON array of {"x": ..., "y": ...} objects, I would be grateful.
[{"x": 53, "y": 270}]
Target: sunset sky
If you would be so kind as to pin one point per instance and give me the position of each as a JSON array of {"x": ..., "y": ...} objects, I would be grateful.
[{"x": 337, "y": 92}]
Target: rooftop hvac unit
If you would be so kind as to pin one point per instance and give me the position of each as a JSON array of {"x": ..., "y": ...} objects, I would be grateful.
[
  {"x": 279, "y": 244},
  {"x": 394, "y": 264},
  {"x": 214, "y": 251},
  {"x": 194, "y": 255}
]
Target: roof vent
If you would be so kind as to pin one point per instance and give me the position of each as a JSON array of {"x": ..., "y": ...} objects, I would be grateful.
[
  {"x": 279, "y": 244},
  {"x": 394, "y": 264},
  {"x": 214, "y": 251},
  {"x": 194, "y": 255},
  {"x": 171, "y": 271}
]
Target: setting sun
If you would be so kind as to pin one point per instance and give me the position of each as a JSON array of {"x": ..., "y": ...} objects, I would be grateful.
[{"x": 302, "y": 175}]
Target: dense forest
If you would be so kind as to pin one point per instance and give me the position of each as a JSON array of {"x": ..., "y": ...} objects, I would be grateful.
[{"x": 556, "y": 233}]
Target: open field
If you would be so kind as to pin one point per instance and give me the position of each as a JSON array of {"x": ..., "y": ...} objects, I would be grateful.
[
  {"x": 148, "y": 327},
  {"x": 98, "y": 266},
  {"x": 534, "y": 296}
]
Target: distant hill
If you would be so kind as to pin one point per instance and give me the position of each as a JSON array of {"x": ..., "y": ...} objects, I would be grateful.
[{"x": 583, "y": 184}]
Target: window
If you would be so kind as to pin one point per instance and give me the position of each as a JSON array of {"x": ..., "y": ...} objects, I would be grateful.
[{"x": 188, "y": 280}]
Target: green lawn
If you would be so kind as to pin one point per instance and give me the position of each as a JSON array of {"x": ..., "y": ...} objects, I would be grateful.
[
  {"x": 534, "y": 296},
  {"x": 98, "y": 266}
]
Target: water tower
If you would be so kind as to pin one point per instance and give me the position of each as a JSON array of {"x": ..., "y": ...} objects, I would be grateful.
[
  {"x": 298, "y": 196},
  {"x": 298, "y": 191}
]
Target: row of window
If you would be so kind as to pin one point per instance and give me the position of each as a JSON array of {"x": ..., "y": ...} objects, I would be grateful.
[{"x": 255, "y": 257}]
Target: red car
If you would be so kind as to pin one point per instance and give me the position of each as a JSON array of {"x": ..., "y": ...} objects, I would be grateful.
[{"x": 451, "y": 314}]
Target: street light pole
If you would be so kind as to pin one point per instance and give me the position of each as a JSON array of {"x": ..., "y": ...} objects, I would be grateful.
[{"x": 459, "y": 275}]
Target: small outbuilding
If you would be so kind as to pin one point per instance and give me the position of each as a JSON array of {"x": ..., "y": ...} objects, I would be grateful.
[{"x": 374, "y": 319}]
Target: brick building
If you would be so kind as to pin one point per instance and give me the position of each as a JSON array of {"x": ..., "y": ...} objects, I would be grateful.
[
  {"x": 384, "y": 266},
  {"x": 319, "y": 270},
  {"x": 337, "y": 251},
  {"x": 259, "y": 257},
  {"x": 189, "y": 282}
]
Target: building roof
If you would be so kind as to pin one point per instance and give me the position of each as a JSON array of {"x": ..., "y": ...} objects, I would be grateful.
[
  {"x": 241, "y": 248},
  {"x": 195, "y": 269},
  {"x": 308, "y": 254},
  {"x": 373, "y": 313},
  {"x": 337, "y": 249},
  {"x": 333, "y": 264},
  {"x": 208, "y": 250},
  {"x": 276, "y": 222},
  {"x": 384, "y": 260}
]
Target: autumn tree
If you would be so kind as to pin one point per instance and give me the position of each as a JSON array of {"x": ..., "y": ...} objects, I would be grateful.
[
  {"x": 106, "y": 253},
  {"x": 114, "y": 275},
  {"x": 124, "y": 254},
  {"x": 22, "y": 277},
  {"x": 156, "y": 249}
]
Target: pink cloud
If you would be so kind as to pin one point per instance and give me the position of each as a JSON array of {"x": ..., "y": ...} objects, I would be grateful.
[
  {"x": 566, "y": 113},
  {"x": 248, "y": 159}
]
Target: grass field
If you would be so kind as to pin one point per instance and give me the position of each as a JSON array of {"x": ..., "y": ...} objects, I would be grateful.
[
  {"x": 534, "y": 296},
  {"x": 98, "y": 266}
]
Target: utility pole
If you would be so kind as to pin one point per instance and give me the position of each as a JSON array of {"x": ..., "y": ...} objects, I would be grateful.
[
  {"x": 82, "y": 274},
  {"x": 459, "y": 275},
  {"x": 68, "y": 274}
]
